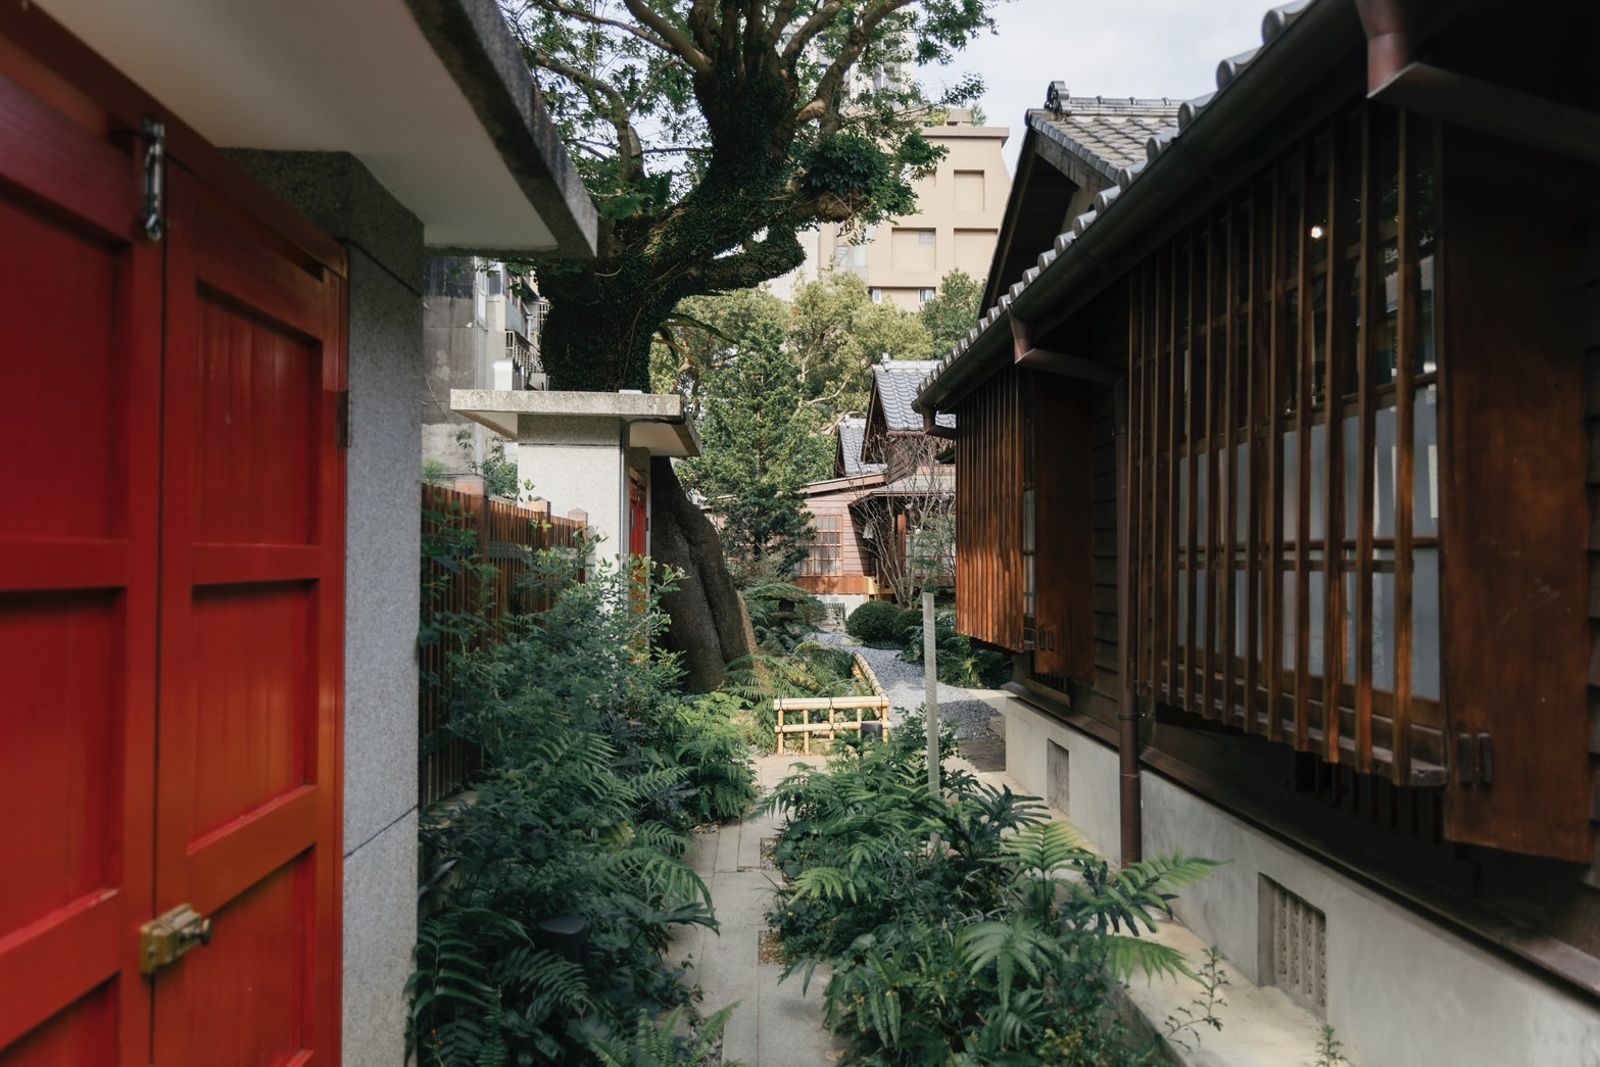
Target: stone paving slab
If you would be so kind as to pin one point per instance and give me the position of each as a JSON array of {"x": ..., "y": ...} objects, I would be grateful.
[{"x": 775, "y": 1024}]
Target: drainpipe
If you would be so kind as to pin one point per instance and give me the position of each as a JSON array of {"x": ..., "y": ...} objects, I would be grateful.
[
  {"x": 1127, "y": 705},
  {"x": 1388, "y": 40}
]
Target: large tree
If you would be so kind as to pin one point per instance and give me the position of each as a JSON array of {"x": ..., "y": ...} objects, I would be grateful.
[
  {"x": 832, "y": 332},
  {"x": 710, "y": 132},
  {"x": 952, "y": 311}
]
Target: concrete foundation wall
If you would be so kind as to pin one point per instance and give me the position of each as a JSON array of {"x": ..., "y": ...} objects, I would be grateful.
[
  {"x": 382, "y": 560},
  {"x": 1402, "y": 990}
]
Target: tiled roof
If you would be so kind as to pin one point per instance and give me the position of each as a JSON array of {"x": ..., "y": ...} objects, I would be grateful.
[
  {"x": 851, "y": 433},
  {"x": 1107, "y": 134},
  {"x": 1273, "y": 26},
  {"x": 897, "y": 382}
]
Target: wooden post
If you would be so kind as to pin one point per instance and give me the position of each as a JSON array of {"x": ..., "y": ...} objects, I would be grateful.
[{"x": 930, "y": 682}]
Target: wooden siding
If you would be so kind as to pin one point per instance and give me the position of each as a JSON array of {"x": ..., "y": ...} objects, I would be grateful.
[
  {"x": 1516, "y": 511},
  {"x": 989, "y": 513},
  {"x": 1062, "y": 459},
  {"x": 855, "y": 562}
]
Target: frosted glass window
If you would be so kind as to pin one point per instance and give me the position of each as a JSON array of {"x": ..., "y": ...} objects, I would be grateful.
[
  {"x": 1290, "y": 474},
  {"x": 1289, "y": 625},
  {"x": 1347, "y": 653},
  {"x": 1315, "y": 621},
  {"x": 1241, "y": 494},
  {"x": 1183, "y": 608},
  {"x": 1201, "y": 478},
  {"x": 1183, "y": 502},
  {"x": 1386, "y": 460},
  {"x": 1200, "y": 608},
  {"x": 1319, "y": 475},
  {"x": 1350, "y": 458},
  {"x": 1383, "y": 625},
  {"x": 1425, "y": 462},
  {"x": 1425, "y": 623},
  {"x": 1241, "y": 606}
]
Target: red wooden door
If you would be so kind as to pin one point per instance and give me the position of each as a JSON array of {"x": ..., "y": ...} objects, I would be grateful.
[
  {"x": 250, "y": 656},
  {"x": 80, "y": 337},
  {"x": 171, "y": 602}
]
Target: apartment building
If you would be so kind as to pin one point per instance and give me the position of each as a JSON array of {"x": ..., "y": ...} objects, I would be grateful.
[{"x": 959, "y": 211}]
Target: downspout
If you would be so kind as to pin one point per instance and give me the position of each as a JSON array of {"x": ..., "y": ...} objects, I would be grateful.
[
  {"x": 1127, "y": 705},
  {"x": 1388, "y": 39}
]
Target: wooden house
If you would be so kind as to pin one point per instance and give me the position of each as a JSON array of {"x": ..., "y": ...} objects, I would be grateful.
[
  {"x": 839, "y": 568},
  {"x": 1278, "y": 479}
]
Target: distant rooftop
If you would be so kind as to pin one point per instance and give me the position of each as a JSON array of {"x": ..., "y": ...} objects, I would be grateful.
[
  {"x": 1107, "y": 133},
  {"x": 897, "y": 382}
]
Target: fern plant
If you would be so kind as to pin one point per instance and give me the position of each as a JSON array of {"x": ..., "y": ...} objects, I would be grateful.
[
  {"x": 999, "y": 945},
  {"x": 595, "y": 766}
]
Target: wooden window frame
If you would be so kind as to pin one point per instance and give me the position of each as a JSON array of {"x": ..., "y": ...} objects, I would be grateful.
[{"x": 1236, "y": 380}]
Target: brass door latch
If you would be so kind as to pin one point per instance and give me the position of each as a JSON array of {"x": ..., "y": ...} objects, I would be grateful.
[{"x": 165, "y": 938}]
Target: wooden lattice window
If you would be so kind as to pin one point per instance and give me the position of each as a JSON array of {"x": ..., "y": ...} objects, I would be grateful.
[
  {"x": 825, "y": 555},
  {"x": 1284, "y": 433}
]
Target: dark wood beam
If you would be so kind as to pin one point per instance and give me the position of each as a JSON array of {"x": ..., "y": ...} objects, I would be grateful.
[
  {"x": 1068, "y": 366},
  {"x": 933, "y": 429},
  {"x": 1494, "y": 109}
]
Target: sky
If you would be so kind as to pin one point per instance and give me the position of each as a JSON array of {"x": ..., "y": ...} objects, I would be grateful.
[{"x": 1102, "y": 48}]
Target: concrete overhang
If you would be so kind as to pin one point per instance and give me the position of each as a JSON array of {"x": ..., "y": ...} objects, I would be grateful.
[
  {"x": 655, "y": 422},
  {"x": 432, "y": 96}
]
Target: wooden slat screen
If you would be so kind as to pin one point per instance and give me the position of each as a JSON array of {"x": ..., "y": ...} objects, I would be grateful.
[
  {"x": 1284, "y": 445},
  {"x": 478, "y": 530},
  {"x": 989, "y": 469}
]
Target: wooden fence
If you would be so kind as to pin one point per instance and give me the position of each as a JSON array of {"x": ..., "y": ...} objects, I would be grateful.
[{"x": 463, "y": 602}]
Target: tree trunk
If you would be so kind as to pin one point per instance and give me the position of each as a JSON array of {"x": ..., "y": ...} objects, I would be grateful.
[{"x": 710, "y": 627}]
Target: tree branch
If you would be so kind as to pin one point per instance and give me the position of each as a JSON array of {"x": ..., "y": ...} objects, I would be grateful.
[
  {"x": 674, "y": 37},
  {"x": 599, "y": 20},
  {"x": 615, "y": 107}
]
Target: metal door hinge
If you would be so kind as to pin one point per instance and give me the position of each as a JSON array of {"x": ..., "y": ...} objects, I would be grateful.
[
  {"x": 341, "y": 418},
  {"x": 154, "y": 222},
  {"x": 166, "y": 938}
]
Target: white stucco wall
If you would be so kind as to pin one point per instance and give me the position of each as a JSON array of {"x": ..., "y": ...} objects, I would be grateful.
[
  {"x": 1402, "y": 990},
  {"x": 579, "y": 463}
]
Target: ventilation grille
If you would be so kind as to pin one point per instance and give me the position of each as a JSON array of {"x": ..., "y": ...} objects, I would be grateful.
[{"x": 1294, "y": 947}]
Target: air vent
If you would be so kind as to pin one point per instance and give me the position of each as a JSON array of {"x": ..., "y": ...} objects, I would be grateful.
[{"x": 1294, "y": 939}]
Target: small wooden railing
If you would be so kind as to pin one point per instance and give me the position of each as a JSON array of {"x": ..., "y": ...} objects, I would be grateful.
[{"x": 868, "y": 711}]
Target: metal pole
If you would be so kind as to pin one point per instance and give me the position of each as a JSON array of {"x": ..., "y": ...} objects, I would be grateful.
[
  {"x": 1127, "y": 706},
  {"x": 930, "y": 684}
]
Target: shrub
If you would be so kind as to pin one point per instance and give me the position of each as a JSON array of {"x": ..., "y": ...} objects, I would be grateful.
[
  {"x": 594, "y": 766},
  {"x": 960, "y": 663},
  {"x": 812, "y": 670},
  {"x": 878, "y": 622},
  {"x": 782, "y": 615},
  {"x": 999, "y": 946}
]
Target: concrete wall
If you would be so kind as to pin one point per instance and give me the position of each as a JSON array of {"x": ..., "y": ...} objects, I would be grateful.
[
  {"x": 382, "y": 559},
  {"x": 579, "y": 462},
  {"x": 1401, "y": 990}
]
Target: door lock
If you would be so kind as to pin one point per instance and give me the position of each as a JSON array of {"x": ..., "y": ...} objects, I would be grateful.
[{"x": 167, "y": 937}]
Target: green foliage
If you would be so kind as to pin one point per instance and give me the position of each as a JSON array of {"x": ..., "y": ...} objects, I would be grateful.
[
  {"x": 662, "y": 1042},
  {"x": 1330, "y": 1050},
  {"x": 810, "y": 670},
  {"x": 880, "y": 623},
  {"x": 953, "y": 310},
  {"x": 998, "y": 945},
  {"x": 499, "y": 474},
  {"x": 711, "y": 135},
  {"x": 594, "y": 768},
  {"x": 837, "y": 333},
  {"x": 782, "y": 615},
  {"x": 960, "y": 663},
  {"x": 762, "y": 443}
]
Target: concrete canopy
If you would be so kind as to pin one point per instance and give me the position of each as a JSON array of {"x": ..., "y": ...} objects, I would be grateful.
[
  {"x": 432, "y": 96},
  {"x": 655, "y": 422}
]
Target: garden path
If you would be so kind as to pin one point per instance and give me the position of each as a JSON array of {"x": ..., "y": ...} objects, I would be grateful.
[
  {"x": 973, "y": 711},
  {"x": 774, "y": 1025}
]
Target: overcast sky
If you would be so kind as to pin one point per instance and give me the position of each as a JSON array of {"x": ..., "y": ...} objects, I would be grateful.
[{"x": 1105, "y": 48}]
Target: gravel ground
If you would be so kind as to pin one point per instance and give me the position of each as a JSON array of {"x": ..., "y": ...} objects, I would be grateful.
[{"x": 903, "y": 682}]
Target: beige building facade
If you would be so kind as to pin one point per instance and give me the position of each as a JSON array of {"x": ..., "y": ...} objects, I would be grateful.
[{"x": 959, "y": 211}]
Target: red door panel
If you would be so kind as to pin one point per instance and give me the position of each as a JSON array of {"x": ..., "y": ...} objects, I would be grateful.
[
  {"x": 80, "y": 336},
  {"x": 252, "y": 607}
]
